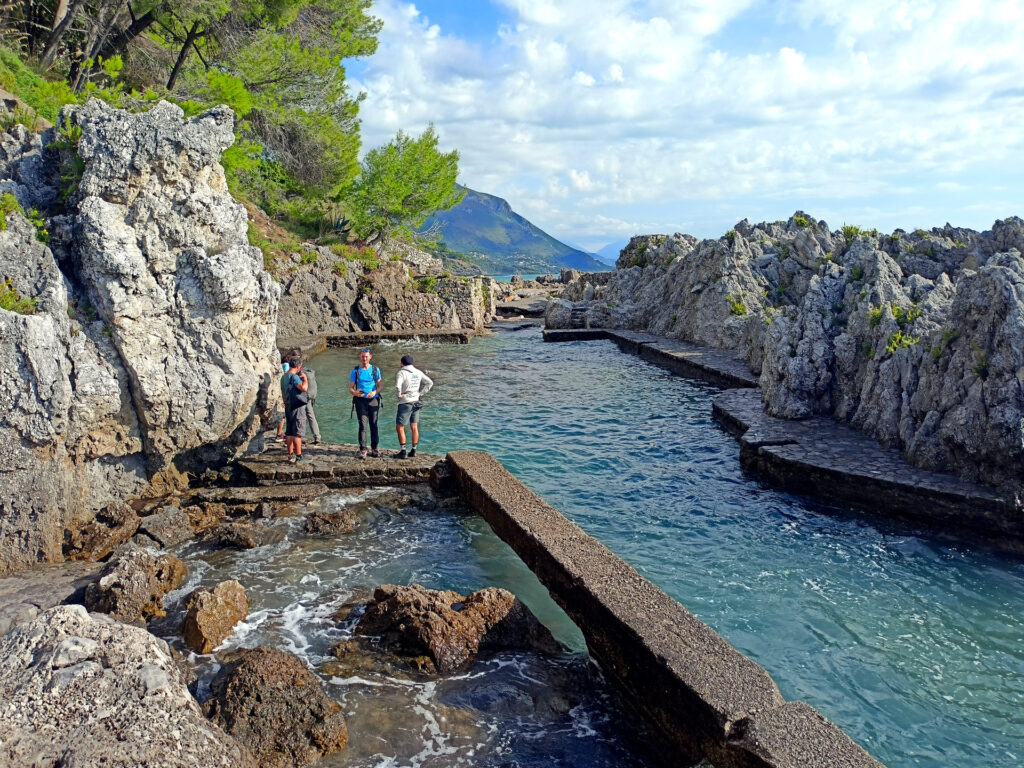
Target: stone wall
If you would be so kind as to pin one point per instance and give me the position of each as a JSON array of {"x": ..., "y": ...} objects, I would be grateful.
[
  {"x": 915, "y": 337},
  {"x": 150, "y": 351},
  {"x": 706, "y": 698}
]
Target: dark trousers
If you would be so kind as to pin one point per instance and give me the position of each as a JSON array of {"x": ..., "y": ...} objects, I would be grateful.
[{"x": 367, "y": 411}]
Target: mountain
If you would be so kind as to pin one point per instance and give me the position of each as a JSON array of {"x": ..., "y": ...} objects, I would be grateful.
[
  {"x": 610, "y": 253},
  {"x": 484, "y": 230}
]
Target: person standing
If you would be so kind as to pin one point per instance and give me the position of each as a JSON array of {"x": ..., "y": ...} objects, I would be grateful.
[
  {"x": 295, "y": 408},
  {"x": 411, "y": 383},
  {"x": 284, "y": 397},
  {"x": 364, "y": 386},
  {"x": 311, "y": 393}
]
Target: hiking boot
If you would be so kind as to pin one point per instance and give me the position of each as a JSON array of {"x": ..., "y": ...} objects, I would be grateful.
[
  {"x": 412, "y": 451},
  {"x": 375, "y": 453},
  {"x": 292, "y": 458},
  {"x": 402, "y": 454},
  {"x": 303, "y": 460},
  {"x": 362, "y": 454}
]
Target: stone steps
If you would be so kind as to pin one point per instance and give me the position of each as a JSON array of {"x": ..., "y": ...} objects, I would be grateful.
[{"x": 336, "y": 466}]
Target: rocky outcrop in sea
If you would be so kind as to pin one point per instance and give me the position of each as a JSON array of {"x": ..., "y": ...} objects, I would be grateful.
[
  {"x": 148, "y": 349},
  {"x": 917, "y": 338}
]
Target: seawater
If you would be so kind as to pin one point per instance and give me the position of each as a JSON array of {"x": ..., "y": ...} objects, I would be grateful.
[{"x": 914, "y": 646}]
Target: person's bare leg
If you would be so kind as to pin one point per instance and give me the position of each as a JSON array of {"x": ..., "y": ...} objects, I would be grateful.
[
  {"x": 290, "y": 442},
  {"x": 415, "y": 434},
  {"x": 401, "y": 434},
  {"x": 298, "y": 447}
]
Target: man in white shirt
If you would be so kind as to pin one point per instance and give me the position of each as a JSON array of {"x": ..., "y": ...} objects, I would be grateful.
[{"x": 411, "y": 383}]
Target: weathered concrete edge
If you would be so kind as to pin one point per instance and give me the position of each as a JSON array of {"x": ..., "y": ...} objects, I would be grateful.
[
  {"x": 314, "y": 345},
  {"x": 707, "y": 698}
]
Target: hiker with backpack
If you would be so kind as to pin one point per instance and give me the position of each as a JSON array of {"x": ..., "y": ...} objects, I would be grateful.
[
  {"x": 296, "y": 400},
  {"x": 311, "y": 394},
  {"x": 364, "y": 386},
  {"x": 411, "y": 383}
]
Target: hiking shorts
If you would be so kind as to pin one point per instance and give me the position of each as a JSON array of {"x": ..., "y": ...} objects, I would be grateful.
[
  {"x": 408, "y": 413},
  {"x": 295, "y": 422}
]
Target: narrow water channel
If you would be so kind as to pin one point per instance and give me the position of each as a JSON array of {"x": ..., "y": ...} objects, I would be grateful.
[{"x": 914, "y": 646}]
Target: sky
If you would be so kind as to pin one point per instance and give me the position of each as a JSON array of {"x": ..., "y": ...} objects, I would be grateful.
[{"x": 602, "y": 119}]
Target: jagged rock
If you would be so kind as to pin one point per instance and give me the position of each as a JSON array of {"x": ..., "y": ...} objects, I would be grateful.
[
  {"x": 335, "y": 295},
  {"x": 330, "y": 522},
  {"x": 202, "y": 517},
  {"x": 132, "y": 585},
  {"x": 448, "y": 628},
  {"x": 82, "y": 691},
  {"x": 914, "y": 337},
  {"x": 168, "y": 527},
  {"x": 211, "y": 615},
  {"x": 110, "y": 528},
  {"x": 244, "y": 534},
  {"x": 155, "y": 353},
  {"x": 270, "y": 701}
]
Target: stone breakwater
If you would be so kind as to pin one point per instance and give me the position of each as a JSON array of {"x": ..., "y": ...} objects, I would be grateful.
[
  {"x": 916, "y": 338},
  {"x": 704, "y": 698},
  {"x": 151, "y": 346}
]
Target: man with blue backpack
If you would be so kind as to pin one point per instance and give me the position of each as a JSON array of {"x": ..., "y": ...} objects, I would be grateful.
[
  {"x": 296, "y": 388},
  {"x": 364, "y": 386}
]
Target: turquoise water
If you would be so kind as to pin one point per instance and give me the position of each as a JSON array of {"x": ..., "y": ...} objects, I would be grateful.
[{"x": 914, "y": 647}]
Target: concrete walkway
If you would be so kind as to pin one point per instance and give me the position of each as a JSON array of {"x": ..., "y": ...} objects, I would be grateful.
[{"x": 820, "y": 455}]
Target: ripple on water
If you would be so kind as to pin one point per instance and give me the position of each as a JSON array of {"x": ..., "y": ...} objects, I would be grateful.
[{"x": 915, "y": 648}]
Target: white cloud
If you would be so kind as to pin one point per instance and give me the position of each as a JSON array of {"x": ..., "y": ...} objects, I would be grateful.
[{"x": 576, "y": 109}]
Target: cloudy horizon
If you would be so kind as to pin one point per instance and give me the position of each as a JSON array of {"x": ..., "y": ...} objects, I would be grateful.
[{"x": 600, "y": 120}]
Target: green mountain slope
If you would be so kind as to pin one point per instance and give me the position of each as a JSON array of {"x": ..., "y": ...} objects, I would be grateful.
[{"x": 484, "y": 230}]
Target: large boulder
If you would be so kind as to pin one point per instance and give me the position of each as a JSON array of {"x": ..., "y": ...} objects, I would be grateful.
[
  {"x": 131, "y": 587},
  {"x": 151, "y": 346},
  {"x": 81, "y": 690},
  {"x": 211, "y": 615},
  {"x": 111, "y": 527},
  {"x": 270, "y": 701},
  {"x": 448, "y": 628}
]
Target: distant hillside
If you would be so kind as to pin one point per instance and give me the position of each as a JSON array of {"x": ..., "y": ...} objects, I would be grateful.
[
  {"x": 484, "y": 230},
  {"x": 610, "y": 253}
]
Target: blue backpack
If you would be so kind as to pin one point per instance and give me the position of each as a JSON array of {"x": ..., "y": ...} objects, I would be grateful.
[{"x": 376, "y": 379}]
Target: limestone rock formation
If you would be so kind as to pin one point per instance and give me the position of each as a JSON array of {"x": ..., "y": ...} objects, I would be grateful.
[
  {"x": 101, "y": 535},
  {"x": 132, "y": 585},
  {"x": 325, "y": 293},
  {"x": 270, "y": 701},
  {"x": 211, "y": 615},
  {"x": 81, "y": 690},
  {"x": 447, "y": 627},
  {"x": 151, "y": 347},
  {"x": 915, "y": 337}
]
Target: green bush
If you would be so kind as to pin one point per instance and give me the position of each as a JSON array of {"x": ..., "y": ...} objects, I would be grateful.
[
  {"x": 899, "y": 341},
  {"x": 13, "y": 301},
  {"x": 850, "y": 233},
  {"x": 800, "y": 221},
  {"x": 427, "y": 284},
  {"x": 736, "y": 305},
  {"x": 8, "y": 204},
  {"x": 875, "y": 316}
]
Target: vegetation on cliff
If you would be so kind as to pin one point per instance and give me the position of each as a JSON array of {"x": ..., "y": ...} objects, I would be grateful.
[{"x": 278, "y": 65}]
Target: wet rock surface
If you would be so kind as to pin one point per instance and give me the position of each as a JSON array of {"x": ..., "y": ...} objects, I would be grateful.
[
  {"x": 270, "y": 701},
  {"x": 211, "y": 615},
  {"x": 81, "y": 690},
  {"x": 25, "y": 596},
  {"x": 442, "y": 631},
  {"x": 132, "y": 585}
]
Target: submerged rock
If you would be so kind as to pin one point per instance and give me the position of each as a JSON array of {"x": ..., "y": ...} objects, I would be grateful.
[
  {"x": 449, "y": 629},
  {"x": 132, "y": 585},
  {"x": 211, "y": 615},
  {"x": 82, "y": 690},
  {"x": 270, "y": 701}
]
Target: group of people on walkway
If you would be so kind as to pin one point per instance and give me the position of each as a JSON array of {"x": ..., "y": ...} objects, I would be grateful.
[{"x": 299, "y": 391}]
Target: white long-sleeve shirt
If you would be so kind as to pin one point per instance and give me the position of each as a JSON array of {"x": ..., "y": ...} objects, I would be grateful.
[{"x": 411, "y": 383}]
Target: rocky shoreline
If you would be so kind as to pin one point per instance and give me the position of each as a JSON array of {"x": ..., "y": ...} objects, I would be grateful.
[{"x": 915, "y": 338}]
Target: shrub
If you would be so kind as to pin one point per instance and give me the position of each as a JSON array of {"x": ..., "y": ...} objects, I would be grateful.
[
  {"x": 905, "y": 316},
  {"x": 875, "y": 316},
  {"x": 427, "y": 284},
  {"x": 339, "y": 269},
  {"x": 867, "y": 349},
  {"x": 736, "y": 305},
  {"x": 850, "y": 232},
  {"x": 8, "y": 204},
  {"x": 309, "y": 257},
  {"x": 857, "y": 272},
  {"x": 730, "y": 236},
  {"x": 13, "y": 301},
  {"x": 899, "y": 341},
  {"x": 800, "y": 221},
  {"x": 980, "y": 366}
]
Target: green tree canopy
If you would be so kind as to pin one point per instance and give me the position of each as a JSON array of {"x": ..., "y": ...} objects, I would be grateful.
[{"x": 401, "y": 184}]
